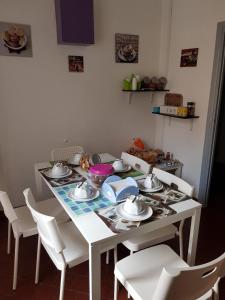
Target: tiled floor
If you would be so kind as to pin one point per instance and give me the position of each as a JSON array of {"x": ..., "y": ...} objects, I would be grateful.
[{"x": 211, "y": 244}]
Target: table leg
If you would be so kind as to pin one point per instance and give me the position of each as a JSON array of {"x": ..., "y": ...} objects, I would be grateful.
[
  {"x": 193, "y": 239},
  {"x": 38, "y": 181},
  {"x": 94, "y": 273}
]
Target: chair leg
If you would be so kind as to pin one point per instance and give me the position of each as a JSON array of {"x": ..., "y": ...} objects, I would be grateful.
[
  {"x": 15, "y": 272},
  {"x": 131, "y": 253},
  {"x": 9, "y": 238},
  {"x": 115, "y": 255},
  {"x": 107, "y": 257},
  {"x": 38, "y": 260},
  {"x": 216, "y": 290},
  {"x": 115, "y": 288},
  {"x": 62, "y": 284}
]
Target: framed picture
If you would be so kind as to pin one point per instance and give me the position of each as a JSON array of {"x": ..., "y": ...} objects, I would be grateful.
[
  {"x": 76, "y": 63},
  {"x": 189, "y": 57},
  {"x": 126, "y": 48},
  {"x": 15, "y": 39}
]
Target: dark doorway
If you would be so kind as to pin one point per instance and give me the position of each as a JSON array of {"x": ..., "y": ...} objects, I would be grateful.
[
  {"x": 212, "y": 179},
  {"x": 217, "y": 191}
]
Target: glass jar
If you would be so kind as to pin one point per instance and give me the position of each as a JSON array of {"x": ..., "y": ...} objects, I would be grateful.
[
  {"x": 182, "y": 111},
  {"x": 98, "y": 173},
  {"x": 191, "y": 109}
]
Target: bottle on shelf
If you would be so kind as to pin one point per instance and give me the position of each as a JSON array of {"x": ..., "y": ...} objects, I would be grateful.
[{"x": 134, "y": 83}]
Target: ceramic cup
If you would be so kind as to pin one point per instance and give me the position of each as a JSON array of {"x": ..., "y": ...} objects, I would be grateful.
[
  {"x": 156, "y": 181},
  {"x": 75, "y": 159},
  {"x": 151, "y": 182},
  {"x": 59, "y": 169},
  {"x": 133, "y": 206},
  {"x": 118, "y": 165},
  {"x": 83, "y": 190}
]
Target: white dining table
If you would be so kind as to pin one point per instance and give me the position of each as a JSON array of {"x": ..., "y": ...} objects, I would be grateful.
[{"x": 99, "y": 236}]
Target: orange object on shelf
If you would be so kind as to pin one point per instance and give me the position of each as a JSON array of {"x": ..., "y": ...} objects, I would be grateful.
[{"x": 138, "y": 143}]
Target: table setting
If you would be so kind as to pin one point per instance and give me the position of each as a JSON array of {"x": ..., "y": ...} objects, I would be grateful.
[{"x": 120, "y": 201}]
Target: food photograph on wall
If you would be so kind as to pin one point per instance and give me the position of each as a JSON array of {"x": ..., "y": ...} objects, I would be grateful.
[
  {"x": 15, "y": 39},
  {"x": 126, "y": 48},
  {"x": 76, "y": 63},
  {"x": 189, "y": 57}
]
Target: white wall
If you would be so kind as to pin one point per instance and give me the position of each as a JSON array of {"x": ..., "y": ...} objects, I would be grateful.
[
  {"x": 193, "y": 26},
  {"x": 41, "y": 103}
]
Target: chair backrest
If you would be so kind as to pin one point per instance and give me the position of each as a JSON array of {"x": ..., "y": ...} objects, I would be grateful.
[
  {"x": 65, "y": 153},
  {"x": 171, "y": 179},
  {"x": 136, "y": 163},
  {"x": 47, "y": 226},
  {"x": 188, "y": 283},
  {"x": 7, "y": 207},
  {"x": 29, "y": 195}
]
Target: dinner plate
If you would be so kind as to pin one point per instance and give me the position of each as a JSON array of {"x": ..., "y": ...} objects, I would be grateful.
[
  {"x": 146, "y": 214},
  {"x": 50, "y": 175},
  {"x": 146, "y": 190},
  {"x": 77, "y": 199},
  {"x": 16, "y": 48},
  {"x": 126, "y": 169}
]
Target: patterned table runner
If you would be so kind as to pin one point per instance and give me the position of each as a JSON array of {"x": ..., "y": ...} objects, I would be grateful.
[{"x": 80, "y": 208}]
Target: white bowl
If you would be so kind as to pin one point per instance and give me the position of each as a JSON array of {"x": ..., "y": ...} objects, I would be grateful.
[
  {"x": 75, "y": 159},
  {"x": 151, "y": 182},
  {"x": 84, "y": 191},
  {"x": 133, "y": 207},
  {"x": 118, "y": 165},
  {"x": 59, "y": 169}
]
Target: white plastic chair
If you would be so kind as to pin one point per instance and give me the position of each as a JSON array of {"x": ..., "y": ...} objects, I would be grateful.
[
  {"x": 22, "y": 224},
  {"x": 171, "y": 179},
  {"x": 136, "y": 163},
  {"x": 158, "y": 273},
  {"x": 65, "y": 153},
  {"x": 63, "y": 242},
  {"x": 168, "y": 232}
]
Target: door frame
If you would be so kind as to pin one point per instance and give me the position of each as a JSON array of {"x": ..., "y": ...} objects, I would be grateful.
[{"x": 218, "y": 74}]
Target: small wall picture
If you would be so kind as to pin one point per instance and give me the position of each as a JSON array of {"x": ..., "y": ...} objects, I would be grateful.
[
  {"x": 15, "y": 39},
  {"x": 189, "y": 57},
  {"x": 126, "y": 48},
  {"x": 76, "y": 63}
]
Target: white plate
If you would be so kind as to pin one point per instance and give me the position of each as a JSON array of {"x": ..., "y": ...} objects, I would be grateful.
[
  {"x": 126, "y": 59},
  {"x": 50, "y": 175},
  {"x": 16, "y": 48},
  {"x": 146, "y": 190},
  {"x": 143, "y": 216},
  {"x": 77, "y": 199},
  {"x": 126, "y": 169}
]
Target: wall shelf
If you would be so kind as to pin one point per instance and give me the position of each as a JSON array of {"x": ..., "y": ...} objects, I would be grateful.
[
  {"x": 174, "y": 116},
  {"x": 152, "y": 92},
  {"x": 178, "y": 117}
]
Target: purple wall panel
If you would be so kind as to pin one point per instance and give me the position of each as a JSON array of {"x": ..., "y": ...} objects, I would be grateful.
[{"x": 75, "y": 21}]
